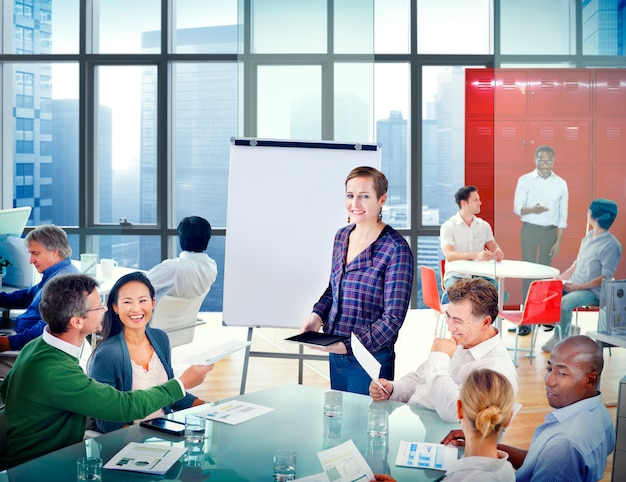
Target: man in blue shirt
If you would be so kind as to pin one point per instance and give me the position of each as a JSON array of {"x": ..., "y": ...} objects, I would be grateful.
[
  {"x": 598, "y": 257},
  {"x": 50, "y": 254},
  {"x": 576, "y": 438}
]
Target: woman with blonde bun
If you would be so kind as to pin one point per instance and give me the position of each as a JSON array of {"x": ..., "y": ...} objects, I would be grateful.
[{"x": 485, "y": 408}]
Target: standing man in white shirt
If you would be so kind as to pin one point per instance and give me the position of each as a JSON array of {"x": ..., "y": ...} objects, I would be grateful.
[
  {"x": 466, "y": 236},
  {"x": 191, "y": 274},
  {"x": 541, "y": 203}
]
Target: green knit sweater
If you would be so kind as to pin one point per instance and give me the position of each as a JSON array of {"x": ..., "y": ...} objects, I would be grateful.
[{"x": 48, "y": 398}]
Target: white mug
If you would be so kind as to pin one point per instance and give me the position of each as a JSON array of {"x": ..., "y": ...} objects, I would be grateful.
[{"x": 107, "y": 265}]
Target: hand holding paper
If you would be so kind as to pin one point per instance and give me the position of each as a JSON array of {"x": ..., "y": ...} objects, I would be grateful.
[{"x": 366, "y": 360}]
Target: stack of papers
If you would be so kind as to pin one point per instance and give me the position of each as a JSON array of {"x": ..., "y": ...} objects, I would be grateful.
[
  {"x": 217, "y": 352},
  {"x": 146, "y": 458}
]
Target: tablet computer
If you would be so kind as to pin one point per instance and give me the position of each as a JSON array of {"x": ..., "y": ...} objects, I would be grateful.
[{"x": 315, "y": 338}]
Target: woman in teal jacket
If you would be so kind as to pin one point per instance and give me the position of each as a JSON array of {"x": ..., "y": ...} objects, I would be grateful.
[{"x": 132, "y": 355}]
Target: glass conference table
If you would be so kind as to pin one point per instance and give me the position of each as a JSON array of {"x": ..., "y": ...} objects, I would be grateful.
[{"x": 243, "y": 452}]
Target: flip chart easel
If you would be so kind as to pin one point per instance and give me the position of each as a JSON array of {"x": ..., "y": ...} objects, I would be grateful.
[{"x": 285, "y": 204}]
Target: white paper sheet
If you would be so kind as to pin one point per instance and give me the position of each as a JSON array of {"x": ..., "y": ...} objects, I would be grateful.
[
  {"x": 146, "y": 458},
  {"x": 366, "y": 360},
  {"x": 321, "y": 477},
  {"x": 217, "y": 352},
  {"x": 344, "y": 463},
  {"x": 234, "y": 412},
  {"x": 426, "y": 455}
]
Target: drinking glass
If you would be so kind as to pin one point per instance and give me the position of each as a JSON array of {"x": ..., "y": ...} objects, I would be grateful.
[
  {"x": 284, "y": 465},
  {"x": 377, "y": 423},
  {"x": 89, "y": 468}
]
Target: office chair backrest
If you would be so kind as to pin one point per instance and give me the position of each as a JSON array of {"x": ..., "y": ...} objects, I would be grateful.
[
  {"x": 430, "y": 290},
  {"x": 543, "y": 302},
  {"x": 178, "y": 317}
]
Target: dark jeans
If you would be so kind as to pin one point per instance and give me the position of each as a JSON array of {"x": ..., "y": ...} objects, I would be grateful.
[{"x": 347, "y": 374}]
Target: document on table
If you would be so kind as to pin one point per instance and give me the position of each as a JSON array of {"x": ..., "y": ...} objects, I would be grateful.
[
  {"x": 344, "y": 463},
  {"x": 234, "y": 412},
  {"x": 146, "y": 458},
  {"x": 217, "y": 352},
  {"x": 426, "y": 455},
  {"x": 370, "y": 364}
]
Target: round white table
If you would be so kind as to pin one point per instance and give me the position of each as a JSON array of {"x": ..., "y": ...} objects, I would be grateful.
[{"x": 507, "y": 268}]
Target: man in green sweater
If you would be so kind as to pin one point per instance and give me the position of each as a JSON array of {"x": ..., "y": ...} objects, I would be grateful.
[{"x": 47, "y": 394}]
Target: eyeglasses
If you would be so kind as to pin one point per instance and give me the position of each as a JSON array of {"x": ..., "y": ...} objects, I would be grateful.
[
  {"x": 99, "y": 308},
  {"x": 545, "y": 161}
]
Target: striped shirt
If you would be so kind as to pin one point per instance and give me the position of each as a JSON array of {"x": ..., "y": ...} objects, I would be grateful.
[
  {"x": 371, "y": 295},
  {"x": 572, "y": 444}
]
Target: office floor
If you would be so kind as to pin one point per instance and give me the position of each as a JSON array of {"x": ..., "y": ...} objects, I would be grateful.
[{"x": 412, "y": 348}]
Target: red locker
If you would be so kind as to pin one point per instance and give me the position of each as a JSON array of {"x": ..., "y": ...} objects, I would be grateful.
[
  {"x": 610, "y": 92},
  {"x": 559, "y": 91}
]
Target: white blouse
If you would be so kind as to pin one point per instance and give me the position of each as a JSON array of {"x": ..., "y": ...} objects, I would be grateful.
[{"x": 153, "y": 376}]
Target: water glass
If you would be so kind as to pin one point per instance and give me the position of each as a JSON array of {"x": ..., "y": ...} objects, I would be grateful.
[
  {"x": 195, "y": 427},
  {"x": 88, "y": 262},
  {"x": 377, "y": 423},
  {"x": 284, "y": 465},
  {"x": 89, "y": 468},
  {"x": 333, "y": 404}
]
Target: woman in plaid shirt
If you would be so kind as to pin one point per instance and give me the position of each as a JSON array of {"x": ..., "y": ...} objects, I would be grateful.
[{"x": 370, "y": 284}]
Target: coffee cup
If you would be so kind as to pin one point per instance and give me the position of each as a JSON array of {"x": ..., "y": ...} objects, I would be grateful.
[{"x": 107, "y": 266}]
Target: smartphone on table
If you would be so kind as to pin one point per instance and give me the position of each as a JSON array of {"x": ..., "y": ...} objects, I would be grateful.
[{"x": 165, "y": 425}]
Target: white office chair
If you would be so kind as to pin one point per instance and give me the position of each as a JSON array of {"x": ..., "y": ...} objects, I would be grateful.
[{"x": 178, "y": 317}]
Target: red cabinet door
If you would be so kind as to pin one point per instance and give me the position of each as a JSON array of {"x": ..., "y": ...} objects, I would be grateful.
[
  {"x": 510, "y": 92},
  {"x": 610, "y": 92},
  {"x": 479, "y": 89},
  {"x": 559, "y": 92},
  {"x": 570, "y": 139}
]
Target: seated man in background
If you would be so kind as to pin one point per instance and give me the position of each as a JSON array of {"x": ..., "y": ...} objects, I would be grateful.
[
  {"x": 47, "y": 394},
  {"x": 50, "y": 253},
  {"x": 598, "y": 257},
  {"x": 193, "y": 272},
  {"x": 474, "y": 343},
  {"x": 577, "y": 437},
  {"x": 466, "y": 236}
]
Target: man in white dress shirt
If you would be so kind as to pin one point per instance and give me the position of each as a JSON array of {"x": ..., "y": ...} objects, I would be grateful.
[
  {"x": 474, "y": 343},
  {"x": 541, "y": 203},
  {"x": 541, "y": 199},
  {"x": 466, "y": 236},
  {"x": 193, "y": 272}
]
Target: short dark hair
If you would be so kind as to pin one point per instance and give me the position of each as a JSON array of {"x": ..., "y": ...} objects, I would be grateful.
[
  {"x": 479, "y": 292},
  {"x": 381, "y": 184},
  {"x": 544, "y": 148},
  {"x": 63, "y": 297},
  {"x": 588, "y": 353},
  {"x": 194, "y": 234},
  {"x": 463, "y": 194},
  {"x": 111, "y": 323}
]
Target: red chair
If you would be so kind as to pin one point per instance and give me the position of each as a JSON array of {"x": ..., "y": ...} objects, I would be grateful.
[
  {"x": 542, "y": 307},
  {"x": 430, "y": 294},
  {"x": 442, "y": 272}
]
